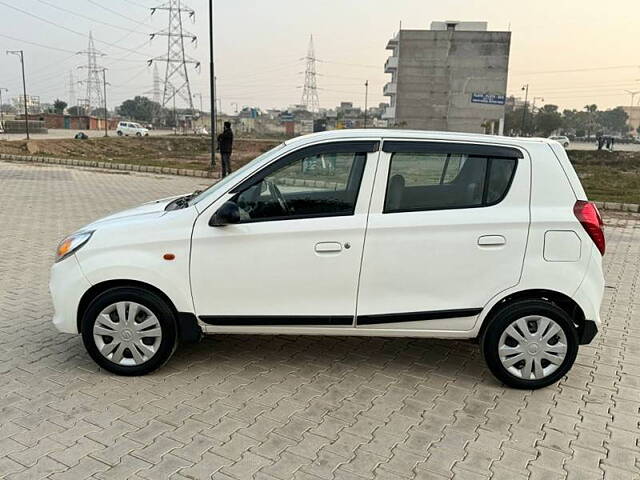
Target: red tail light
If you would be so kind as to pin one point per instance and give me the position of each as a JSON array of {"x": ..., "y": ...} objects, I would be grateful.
[{"x": 589, "y": 216}]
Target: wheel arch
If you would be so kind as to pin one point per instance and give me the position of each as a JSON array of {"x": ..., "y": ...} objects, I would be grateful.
[
  {"x": 566, "y": 303},
  {"x": 187, "y": 324}
]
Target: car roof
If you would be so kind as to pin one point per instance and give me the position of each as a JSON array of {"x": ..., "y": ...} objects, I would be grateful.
[{"x": 393, "y": 134}]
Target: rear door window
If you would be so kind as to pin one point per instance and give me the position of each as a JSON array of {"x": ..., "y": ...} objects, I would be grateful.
[{"x": 423, "y": 180}]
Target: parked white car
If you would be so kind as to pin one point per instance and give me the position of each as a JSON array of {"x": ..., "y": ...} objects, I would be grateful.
[
  {"x": 130, "y": 128},
  {"x": 562, "y": 140},
  {"x": 360, "y": 232}
]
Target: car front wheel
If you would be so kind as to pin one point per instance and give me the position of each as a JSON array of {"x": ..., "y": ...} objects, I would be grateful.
[
  {"x": 129, "y": 331},
  {"x": 530, "y": 344}
]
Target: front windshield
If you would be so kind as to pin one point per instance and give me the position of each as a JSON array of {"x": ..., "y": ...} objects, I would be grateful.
[{"x": 219, "y": 187}]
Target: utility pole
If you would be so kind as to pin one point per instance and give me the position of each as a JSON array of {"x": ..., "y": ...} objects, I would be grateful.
[
  {"x": 20, "y": 53},
  {"x": 212, "y": 86},
  {"x": 2, "y": 111},
  {"x": 366, "y": 99},
  {"x": 106, "y": 116},
  {"x": 524, "y": 111}
]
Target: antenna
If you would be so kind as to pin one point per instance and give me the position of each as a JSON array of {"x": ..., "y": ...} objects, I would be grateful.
[
  {"x": 176, "y": 78},
  {"x": 310, "y": 93}
]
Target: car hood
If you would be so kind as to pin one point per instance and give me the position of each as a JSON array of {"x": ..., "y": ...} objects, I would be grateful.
[{"x": 155, "y": 208}]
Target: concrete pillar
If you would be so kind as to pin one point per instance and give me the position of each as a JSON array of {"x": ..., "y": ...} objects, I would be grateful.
[{"x": 501, "y": 126}]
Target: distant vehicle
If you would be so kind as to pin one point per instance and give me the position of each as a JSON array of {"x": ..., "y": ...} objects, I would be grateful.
[
  {"x": 129, "y": 128},
  {"x": 564, "y": 141},
  {"x": 460, "y": 243}
]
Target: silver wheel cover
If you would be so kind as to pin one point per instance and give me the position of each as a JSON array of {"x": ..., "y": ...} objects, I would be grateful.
[
  {"x": 127, "y": 333},
  {"x": 532, "y": 347}
]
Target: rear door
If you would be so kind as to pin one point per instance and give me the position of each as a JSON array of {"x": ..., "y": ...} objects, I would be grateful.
[{"x": 447, "y": 231}]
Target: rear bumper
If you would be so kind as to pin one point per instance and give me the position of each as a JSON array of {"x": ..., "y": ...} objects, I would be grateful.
[{"x": 587, "y": 332}]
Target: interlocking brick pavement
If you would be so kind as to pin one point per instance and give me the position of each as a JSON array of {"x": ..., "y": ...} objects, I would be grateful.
[{"x": 236, "y": 407}]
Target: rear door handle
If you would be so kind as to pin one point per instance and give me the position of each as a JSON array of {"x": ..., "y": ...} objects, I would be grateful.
[
  {"x": 491, "y": 240},
  {"x": 328, "y": 247}
]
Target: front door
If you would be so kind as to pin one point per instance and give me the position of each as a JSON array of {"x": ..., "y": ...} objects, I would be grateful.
[
  {"x": 294, "y": 258},
  {"x": 447, "y": 231}
]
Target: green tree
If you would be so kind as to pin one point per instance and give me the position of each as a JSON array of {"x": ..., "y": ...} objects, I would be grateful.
[
  {"x": 59, "y": 106},
  {"x": 75, "y": 111},
  {"x": 547, "y": 120},
  {"x": 141, "y": 109},
  {"x": 614, "y": 120}
]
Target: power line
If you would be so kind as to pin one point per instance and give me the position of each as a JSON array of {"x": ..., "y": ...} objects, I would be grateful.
[
  {"x": 35, "y": 44},
  {"x": 142, "y": 22},
  {"x": 49, "y": 22},
  {"x": 574, "y": 70},
  {"x": 111, "y": 25}
]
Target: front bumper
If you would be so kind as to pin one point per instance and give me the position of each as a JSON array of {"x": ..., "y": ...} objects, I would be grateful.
[{"x": 67, "y": 286}]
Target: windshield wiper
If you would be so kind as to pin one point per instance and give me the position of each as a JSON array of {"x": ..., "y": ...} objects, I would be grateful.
[{"x": 182, "y": 202}]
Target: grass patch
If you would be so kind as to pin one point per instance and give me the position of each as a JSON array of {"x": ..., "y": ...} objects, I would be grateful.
[{"x": 608, "y": 176}]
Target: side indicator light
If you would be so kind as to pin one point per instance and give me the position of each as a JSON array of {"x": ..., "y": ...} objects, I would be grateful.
[{"x": 169, "y": 256}]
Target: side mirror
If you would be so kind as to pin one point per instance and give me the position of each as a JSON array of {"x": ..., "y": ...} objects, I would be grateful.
[{"x": 227, "y": 214}]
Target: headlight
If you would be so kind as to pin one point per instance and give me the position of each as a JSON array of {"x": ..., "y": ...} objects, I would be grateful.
[{"x": 71, "y": 244}]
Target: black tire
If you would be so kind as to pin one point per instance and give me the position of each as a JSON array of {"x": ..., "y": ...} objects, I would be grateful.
[
  {"x": 138, "y": 134},
  {"x": 151, "y": 301},
  {"x": 119, "y": 133},
  {"x": 504, "y": 318}
]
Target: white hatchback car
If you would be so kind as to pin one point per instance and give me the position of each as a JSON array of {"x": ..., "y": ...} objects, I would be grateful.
[
  {"x": 360, "y": 232},
  {"x": 130, "y": 128},
  {"x": 564, "y": 141}
]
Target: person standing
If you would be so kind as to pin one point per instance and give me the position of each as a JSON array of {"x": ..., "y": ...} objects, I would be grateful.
[{"x": 225, "y": 145}]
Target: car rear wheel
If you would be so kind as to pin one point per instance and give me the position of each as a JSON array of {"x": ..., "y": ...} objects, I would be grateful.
[
  {"x": 119, "y": 133},
  {"x": 129, "y": 331},
  {"x": 530, "y": 344}
]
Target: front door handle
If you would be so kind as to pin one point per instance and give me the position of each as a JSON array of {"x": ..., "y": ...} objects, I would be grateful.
[
  {"x": 491, "y": 241},
  {"x": 328, "y": 247}
]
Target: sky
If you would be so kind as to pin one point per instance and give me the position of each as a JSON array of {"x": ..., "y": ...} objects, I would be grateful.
[{"x": 569, "y": 52}]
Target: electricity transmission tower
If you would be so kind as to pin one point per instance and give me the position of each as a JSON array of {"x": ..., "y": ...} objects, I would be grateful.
[
  {"x": 310, "y": 91},
  {"x": 156, "y": 84},
  {"x": 72, "y": 90},
  {"x": 93, "y": 83},
  {"x": 176, "y": 78}
]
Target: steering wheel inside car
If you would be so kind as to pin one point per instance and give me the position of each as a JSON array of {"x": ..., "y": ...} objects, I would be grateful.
[{"x": 277, "y": 195}]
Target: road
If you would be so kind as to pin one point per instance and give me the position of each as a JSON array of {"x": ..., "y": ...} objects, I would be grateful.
[
  {"x": 63, "y": 133},
  {"x": 303, "y": 408}
]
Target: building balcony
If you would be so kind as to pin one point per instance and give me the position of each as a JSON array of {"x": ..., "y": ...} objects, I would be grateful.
[
  {"x": 391, "y": 65},
  {"x": 389, "y": 113},
  {"x": 393, "y": 43},
  {"x": 390, "y": 89}
]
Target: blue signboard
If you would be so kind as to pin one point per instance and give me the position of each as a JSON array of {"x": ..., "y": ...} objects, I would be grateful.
[{"x": 488, "y": 98}]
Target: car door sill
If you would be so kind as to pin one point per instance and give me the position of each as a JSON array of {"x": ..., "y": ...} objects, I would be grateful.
[
  {"x": 276, "y": 320},
  {"x": 417, "y": 316},
  {"x": 331, "y": 321}
]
